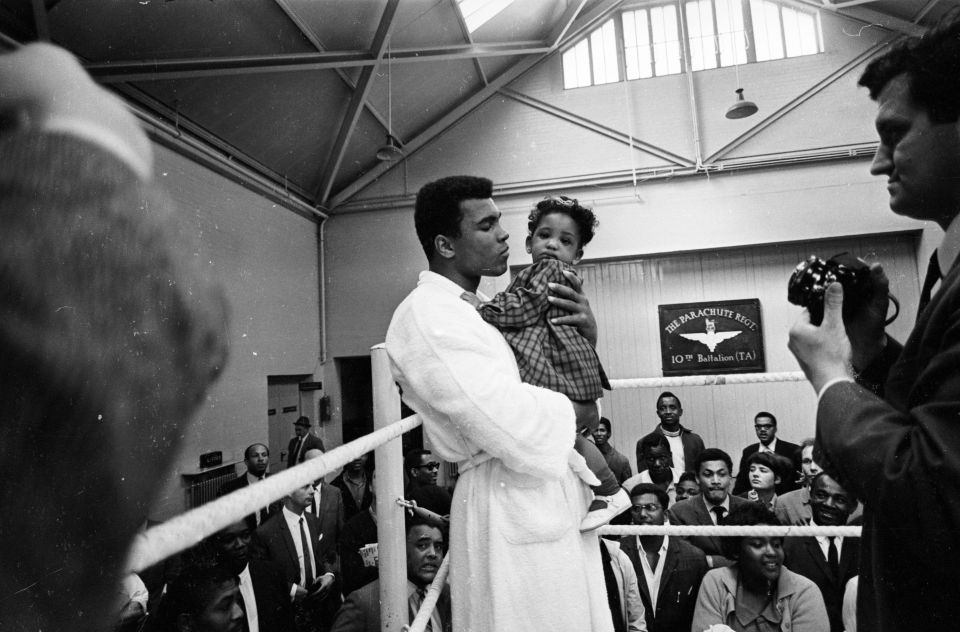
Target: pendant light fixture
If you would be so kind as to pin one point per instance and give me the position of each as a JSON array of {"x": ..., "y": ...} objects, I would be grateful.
[
  {"x": 389, "y": 151},
  {"x": 741, "y": 108}
]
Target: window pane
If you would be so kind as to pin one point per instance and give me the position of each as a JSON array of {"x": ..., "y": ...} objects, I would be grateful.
[
  {"x": 636, "y": 40},
  {"x": 476, "y": 13},
  {"x": 666, "y": 40},
  {"x": 731, "y": 39},
  {"x": 700, "y": 31},
  {"x": 603, "y": 43},
  {"x": 809, "y": 34},
  {"x": 576, "y": 66},
  {"x": 766, "y": 30}
]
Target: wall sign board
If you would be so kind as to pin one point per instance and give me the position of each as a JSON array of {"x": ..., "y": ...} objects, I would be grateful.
[{"x": 711, "y": 337}]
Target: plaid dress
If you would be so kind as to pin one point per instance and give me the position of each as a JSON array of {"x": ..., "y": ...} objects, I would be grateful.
[{"x": 552, "y": 356}]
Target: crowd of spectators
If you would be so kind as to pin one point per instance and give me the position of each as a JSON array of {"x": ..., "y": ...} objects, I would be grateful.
[{"x": 310, "y": 564}]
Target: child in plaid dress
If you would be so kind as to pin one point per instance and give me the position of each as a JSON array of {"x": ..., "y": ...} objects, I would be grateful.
[{"x": 557, "y": 356}]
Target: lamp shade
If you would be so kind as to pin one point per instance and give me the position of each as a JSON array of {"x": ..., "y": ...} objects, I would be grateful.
[
  {"x": 389, "y": 151},
  {"x": 741, "y": 108}
]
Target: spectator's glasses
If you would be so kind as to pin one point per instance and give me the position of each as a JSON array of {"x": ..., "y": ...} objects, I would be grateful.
[
  {"x": 648, "y": 507},
  {"x": 432, "y": 465}
]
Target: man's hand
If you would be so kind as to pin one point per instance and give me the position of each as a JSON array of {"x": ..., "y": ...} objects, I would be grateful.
[
  {"x": 322, "y": 585},
  {"x": 866, "y": 329},
  {"x": 823, "y": 352},
  {"x": 299, "y": 594},
  {"x": 588, "y": 416},
  {"x": 573, "y": 300}
]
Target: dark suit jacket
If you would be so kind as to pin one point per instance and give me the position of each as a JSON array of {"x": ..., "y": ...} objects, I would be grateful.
[
  {"x": 272, "y": 592},
  {"x": 275, "y": 543},
  {"x": 900, "y": 456},
  {"x": 788, "y": 481},
  {"x": 360, "y": 612},
  {"x": 329, "y": 515},
  {"x": 693, "y": 511},
  {"x": 432, "y": 497},
  {"x": 357, "y": 532},
  {"x": 692, "y": 447},
  {"x": 350, "y": 507},
  {"x": 239, "y": 483},
  {"x": 683, "y": 570},
  {"x": 805, "y": 557},
  {"x": 311, "y": 442}
]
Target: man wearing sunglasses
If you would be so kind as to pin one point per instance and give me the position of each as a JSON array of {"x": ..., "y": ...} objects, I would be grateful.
[{"x": 422, "y": 472}]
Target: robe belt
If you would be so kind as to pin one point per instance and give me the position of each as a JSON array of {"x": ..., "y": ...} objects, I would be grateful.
[{"x": 473, "y": 461}]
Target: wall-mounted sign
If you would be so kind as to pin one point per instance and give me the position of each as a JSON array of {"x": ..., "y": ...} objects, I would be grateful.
[{"x": 712, "y": 337}]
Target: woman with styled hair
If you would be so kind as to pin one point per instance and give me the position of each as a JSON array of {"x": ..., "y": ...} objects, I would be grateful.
[{"x": 757, "y": 593}]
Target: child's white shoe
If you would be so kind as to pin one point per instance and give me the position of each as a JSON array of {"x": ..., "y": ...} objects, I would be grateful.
[{"x": 603, "y": 509}]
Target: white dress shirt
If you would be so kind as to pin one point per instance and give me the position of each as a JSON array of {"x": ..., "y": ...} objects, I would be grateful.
[{"x": 249, "y": 600}]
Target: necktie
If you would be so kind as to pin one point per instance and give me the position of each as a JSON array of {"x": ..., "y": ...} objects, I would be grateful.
[
  {"x": 718, "y": 512},
  {"x": 833, "y": 557},
  {"x": 307, "y": 562},
  {"x": 415, "y": 601},
  {"x": 296, "y": 453},
  {"x": 243, "y": 606},
  {"x": 933, "y": 275}
]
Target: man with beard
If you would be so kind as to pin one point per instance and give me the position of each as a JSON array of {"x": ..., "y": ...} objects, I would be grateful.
[
  {"x": 669, "y": 570},
  {"x": 263, "y": 590},
  {"x": 709, "y": 508},
  {"x": 829, "y": 561}
]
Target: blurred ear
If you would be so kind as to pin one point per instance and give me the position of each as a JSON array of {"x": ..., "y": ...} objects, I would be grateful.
[
  {"x": 444, "y": 246},
  {"x": 529, "y": 243},
  {"x": 578, "y": 256}
]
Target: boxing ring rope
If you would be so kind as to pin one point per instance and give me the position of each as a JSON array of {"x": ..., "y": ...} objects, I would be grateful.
[
  {"x": 708, "y": 380},
  {"x": 187, "y": 529},
  {"x": 771, "y": 531}
]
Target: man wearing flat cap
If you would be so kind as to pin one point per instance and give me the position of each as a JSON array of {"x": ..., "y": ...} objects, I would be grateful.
[{"x": 303, "y": 441}]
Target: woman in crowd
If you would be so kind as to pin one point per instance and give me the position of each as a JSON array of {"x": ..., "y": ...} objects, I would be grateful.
[
  {"x": 757, "y": 594},
  {"x": 765, "y": 470}
]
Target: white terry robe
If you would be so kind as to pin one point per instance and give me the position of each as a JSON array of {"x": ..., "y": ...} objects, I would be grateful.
[{"x": 518, "y": 560}]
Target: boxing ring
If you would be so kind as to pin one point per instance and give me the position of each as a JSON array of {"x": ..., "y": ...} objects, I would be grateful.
[{"x": 186, "y": 530}]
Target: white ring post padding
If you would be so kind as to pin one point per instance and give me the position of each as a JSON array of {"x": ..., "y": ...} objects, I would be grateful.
[
  {"x": 731, "y": 530},
  {"x": 183, "y": 531},
  {"x": 430, "y": 600},
  {"x": 391, "y": 534},
  {"x": 708, "y": 380}
]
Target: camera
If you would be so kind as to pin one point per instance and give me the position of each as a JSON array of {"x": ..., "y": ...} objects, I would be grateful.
[{"x": 809, "y": 281}]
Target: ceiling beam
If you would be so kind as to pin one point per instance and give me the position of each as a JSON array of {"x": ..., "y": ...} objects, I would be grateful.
[
  {"x": 439, "y": 126},
  {"x": 378, "y": 48},
  {"x": 566, "y": 20},
  {"x": 314, "y": 40},
  {"x": 562, "y": 33},
  {"x": 595, "y": 127},
  {"x": 465, "y": 31},
  {"x": 164, "y": 69},
  {"x": 868, "y": 17}
]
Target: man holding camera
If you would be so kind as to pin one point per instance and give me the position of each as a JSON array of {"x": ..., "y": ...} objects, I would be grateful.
[{"x": 900, "y": 451}]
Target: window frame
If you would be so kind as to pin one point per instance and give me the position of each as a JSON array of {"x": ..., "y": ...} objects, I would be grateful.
[{"x": 684, "y": 38}]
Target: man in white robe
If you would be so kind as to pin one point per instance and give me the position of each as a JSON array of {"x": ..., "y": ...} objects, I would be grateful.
[{"x": 519, "y": 561}]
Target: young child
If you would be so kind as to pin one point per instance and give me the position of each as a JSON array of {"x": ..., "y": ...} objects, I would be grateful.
[{"x": 557, "y": 356}]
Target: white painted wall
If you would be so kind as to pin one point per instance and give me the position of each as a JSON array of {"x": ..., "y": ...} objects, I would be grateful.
[{"x": 265, "y": 257}]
